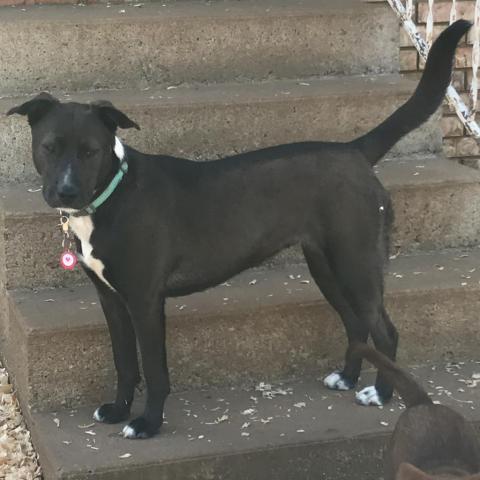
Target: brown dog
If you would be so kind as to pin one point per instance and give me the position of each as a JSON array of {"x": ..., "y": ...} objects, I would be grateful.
[{"x": 429, "y": 441}]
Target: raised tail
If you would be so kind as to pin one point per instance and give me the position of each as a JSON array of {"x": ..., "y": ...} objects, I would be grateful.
[
  {"x": 425, "y": 100},
  {"x": 411, "y": 392}
]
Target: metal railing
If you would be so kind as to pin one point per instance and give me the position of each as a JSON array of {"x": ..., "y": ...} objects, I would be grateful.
[{"x": 405, "y": 10}]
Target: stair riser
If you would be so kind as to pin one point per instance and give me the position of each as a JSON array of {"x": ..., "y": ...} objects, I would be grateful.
[
  {"x": 426, "y": 218},
  {"x": 436, "y": 217},
  {"x": 340, "y": 460},
  {"x": 215, "y": 129},
  {"x": 73, "y": 367},
  {"x": 73, "y": 54}
]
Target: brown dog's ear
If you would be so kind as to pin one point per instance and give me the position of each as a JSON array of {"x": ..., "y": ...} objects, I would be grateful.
[
  {"x": 112, "y": 117},
  {"x": 406, "y": 471},
  {"x": 36, "y": 108}
]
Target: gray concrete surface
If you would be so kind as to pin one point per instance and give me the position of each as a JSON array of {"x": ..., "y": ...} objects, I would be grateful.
[
  {"x": 70, "y": 48},
  {"x": 304, "y": 432},
  {"x": 278, "y": 328}
]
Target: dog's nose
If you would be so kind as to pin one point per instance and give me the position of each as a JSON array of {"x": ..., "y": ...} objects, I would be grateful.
[{"x": 67, "y": 192}]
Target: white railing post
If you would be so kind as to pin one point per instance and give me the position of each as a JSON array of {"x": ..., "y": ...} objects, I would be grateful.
[
  {"x": 409, "y": 8},
  {"x": 453, "y": 11},
  {"x": 430, "y": 23}
]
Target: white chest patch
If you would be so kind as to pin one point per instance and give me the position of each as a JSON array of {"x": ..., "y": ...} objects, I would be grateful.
[{"x": 82, "y": 227}]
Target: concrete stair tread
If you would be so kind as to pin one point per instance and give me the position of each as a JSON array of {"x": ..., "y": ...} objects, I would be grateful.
[
  {"x": 232, "y": 93},
  {"x": 423, "y": 170},
  {"x": 301, "y": 426},
  {"x": 169, "y": 10},
  {"x": 49, "y": 309},
  {"x": 25, "y": 199}
]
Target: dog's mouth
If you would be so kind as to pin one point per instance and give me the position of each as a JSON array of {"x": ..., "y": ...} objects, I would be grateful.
[{"x": 67, "y": 203}]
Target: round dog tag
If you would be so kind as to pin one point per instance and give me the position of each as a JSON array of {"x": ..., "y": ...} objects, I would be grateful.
[{"x": 68, "y": 260}]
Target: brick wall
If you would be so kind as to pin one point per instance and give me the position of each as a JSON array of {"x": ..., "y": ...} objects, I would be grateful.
[{"x": 457, "y": 144}]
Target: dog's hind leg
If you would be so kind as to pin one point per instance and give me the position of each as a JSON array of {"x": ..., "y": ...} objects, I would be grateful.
[
  {"x": 356, "y": 331},
  {"x": 385, "y": 338},
  {"x": 361, "y": 276},
  {"x": 124, "y": 348}
]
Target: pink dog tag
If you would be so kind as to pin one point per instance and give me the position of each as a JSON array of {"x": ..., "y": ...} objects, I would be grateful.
[{"x": 68, "y": 260}]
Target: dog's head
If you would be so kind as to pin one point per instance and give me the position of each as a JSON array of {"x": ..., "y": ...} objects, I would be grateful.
[{"x": 72, "y": 147}]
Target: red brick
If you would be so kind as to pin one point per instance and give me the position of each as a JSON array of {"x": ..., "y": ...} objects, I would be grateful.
[
  {"x": 467, "y": 147},
  {"x": 450, "y": 147},
  {"x": 451, "y": 126},
  {"x": 459, "y": 80}
]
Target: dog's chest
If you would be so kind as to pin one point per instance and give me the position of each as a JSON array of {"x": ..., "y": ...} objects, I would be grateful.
[{"x": 83, "y": 228}]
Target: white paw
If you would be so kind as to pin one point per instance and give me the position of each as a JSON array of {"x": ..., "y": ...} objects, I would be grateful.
[
  {"x": 334, "y": 381},
  {"x": 97, "y": 416},
  {"x": 129, "y": 432},
  {"x": 369, "y": 396}
]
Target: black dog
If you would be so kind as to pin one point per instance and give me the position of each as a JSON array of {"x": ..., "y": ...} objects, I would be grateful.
[
  {"x": 430, "y": 441},
  {"x": 172, "y": 226}
]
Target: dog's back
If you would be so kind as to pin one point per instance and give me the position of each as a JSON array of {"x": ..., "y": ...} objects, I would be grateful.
[{"x": 430, "y": 441}]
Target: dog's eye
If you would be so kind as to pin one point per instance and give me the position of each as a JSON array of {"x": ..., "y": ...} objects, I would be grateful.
[
  {"x": 89, "y": 152},
  {"x": 49, "y": 147}
]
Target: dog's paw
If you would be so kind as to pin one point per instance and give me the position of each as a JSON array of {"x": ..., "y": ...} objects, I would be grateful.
[
  {"x": 369, "y": 396},
  {"x": 111, "y": 413},
  {"x": 335, "y": 381},
  {"x": 140, "y": 427}
]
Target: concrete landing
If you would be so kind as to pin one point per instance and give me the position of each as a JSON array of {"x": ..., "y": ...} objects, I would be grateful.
[{"x": 304, "y": 431}]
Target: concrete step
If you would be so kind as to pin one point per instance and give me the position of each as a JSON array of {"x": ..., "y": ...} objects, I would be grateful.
[
  {"x": 207, "y": 122},
  {"x": 70, "y": 47},
  {"x": 437, "y": 204},
  {"x": 278, "y": 327},
  {"x": 307, "y": 433}
]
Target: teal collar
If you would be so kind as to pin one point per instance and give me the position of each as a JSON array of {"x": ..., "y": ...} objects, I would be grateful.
[{"x": 103, "y": 197}]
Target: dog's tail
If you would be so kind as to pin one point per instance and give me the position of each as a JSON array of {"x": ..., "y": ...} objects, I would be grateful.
[
  {"x": 411, "y": 392},
  {"x": 425, "y": 100}
]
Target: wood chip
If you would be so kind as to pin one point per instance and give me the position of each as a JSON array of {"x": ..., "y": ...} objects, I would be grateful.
[
  {"x": 18, "y": 459},
  {"x": 86, "y": 426}
]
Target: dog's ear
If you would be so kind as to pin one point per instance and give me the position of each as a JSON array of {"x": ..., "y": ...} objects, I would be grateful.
[
  {"x": 406, "y": 471},
  {"x": 35, "y": 108},
  {"x": 112, "y": 117}
]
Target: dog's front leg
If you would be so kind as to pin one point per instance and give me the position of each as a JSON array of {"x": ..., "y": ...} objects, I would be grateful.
[
  {"x": 124, "y": 348},
  {"x": 148, "y": 316}
]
